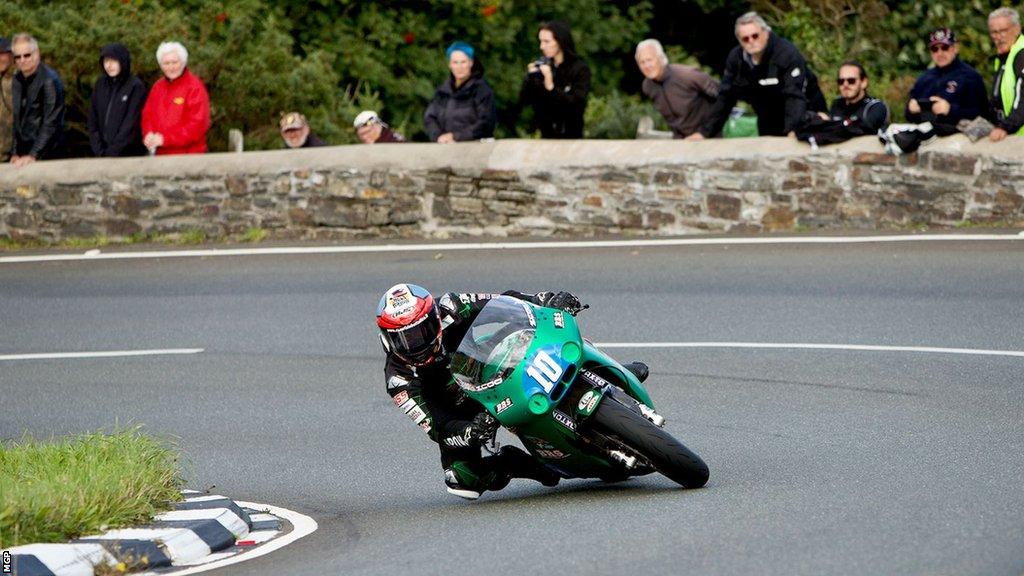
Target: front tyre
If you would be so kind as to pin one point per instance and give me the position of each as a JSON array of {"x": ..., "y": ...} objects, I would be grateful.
[{"x": 666, "y": 454}]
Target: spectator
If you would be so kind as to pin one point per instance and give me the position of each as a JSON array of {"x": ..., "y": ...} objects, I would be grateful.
[
  {"x": 463, "y": 106},
  {"x": 115, "y": 114},
  {"x": 853, "y": 114},
  {"x": 38, "y": 98},
  {"x": 557, "y": 84},
  {"x": 948, "y": 92},
  {"x": 372, "y": 130},
  {"x": 1007, "y": 108},
  {"x": 684, "y": 95},
  {"x": 296, "y": 133},
  {"x": 769, "y": 73},
  {"x": 6, "y": 103},
  {"x": 177, "y": 112}
]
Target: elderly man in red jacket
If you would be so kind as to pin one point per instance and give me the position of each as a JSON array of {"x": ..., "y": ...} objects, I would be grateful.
[{"x": 177, "y": 113}]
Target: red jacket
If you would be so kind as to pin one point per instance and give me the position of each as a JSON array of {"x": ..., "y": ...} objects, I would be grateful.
[{"x": 180, "y": 110}]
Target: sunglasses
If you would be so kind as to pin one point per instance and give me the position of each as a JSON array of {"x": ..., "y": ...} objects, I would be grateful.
[
  {"x": 751, "y": 38},
  {"x": 850, "y": 81},
  {"x": 940, "y": 47},
  {"x": 24, "y": 56}
]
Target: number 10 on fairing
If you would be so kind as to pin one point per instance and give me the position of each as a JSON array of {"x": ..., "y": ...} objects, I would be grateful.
[{"x": 544, "y": 370}]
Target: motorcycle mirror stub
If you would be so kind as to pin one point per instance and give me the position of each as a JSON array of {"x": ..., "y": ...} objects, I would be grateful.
[{"x": 539, "y": 404}]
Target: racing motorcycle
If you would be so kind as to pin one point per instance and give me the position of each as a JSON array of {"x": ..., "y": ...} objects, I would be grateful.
[{"x": 575, "y": 408}]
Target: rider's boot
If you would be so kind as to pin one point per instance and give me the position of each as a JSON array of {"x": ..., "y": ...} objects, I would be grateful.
[
  {"x": 639, "y": 369},
  {"x": 518, "y": 464},
  {"x": 463, "y": 481}
]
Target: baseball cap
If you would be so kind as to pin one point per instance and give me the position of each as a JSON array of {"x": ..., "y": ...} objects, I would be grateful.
[
  {"x": 293, "y": 121},
  {"x": 5, "y": 45},
  {"x": 364, "y": 118},
  {"x": 942, "y": 36}
]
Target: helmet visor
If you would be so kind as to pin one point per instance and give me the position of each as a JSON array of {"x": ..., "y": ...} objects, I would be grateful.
[{"x": 417, "y": 342}]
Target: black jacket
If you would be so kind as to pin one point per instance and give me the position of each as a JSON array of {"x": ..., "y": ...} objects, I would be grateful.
[
  {"x": 959, "y": 84},
  {"x": 559, "y": 113},
  {"x": 781, "y": 89},
  {"x": 38, "y": 114},
  {"x": 116, "y": 111},
  {"x": 468, "y": 112},
  {"x": 864, "y": 117}
]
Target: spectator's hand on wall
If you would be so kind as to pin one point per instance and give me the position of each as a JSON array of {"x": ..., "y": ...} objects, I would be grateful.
[
  {"x": 695, "y": 136},
  {"x": 913, "y": 107},
  {"x": 19, "y": 161},
  {"x": 939, "y": 106},
  {"x": 446, "y": 138},
  {"x": 153, "y": 140},
  {"x": 997, "y": 134}
]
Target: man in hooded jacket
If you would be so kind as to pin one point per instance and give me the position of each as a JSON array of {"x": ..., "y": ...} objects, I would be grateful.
[{"x": 115, "y": 115}]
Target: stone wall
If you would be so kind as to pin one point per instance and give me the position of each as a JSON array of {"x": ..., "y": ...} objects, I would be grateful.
[{"x": 519, "y": 188}]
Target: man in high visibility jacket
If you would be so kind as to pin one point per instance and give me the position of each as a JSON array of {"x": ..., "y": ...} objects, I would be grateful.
[{"x": 1007, "y": 105}]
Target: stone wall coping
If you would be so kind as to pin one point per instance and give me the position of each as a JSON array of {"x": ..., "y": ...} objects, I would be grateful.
[{"x": 512, "y": 154}]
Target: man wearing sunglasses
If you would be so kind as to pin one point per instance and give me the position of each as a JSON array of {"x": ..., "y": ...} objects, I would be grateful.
[
  {"x": 769, "y": 73},
  {"x": 1008, "y": 110},
  {"x": 38, "y": 97},
  {"x": 948, "y": 92},
  {"x": 853, "y": 114},
  {"x": 6, "y": 103}
]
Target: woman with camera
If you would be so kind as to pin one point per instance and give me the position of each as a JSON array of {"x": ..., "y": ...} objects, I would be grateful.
[
  {"x": 557, "y": 84},
  {"x": 463, "y": 107}
]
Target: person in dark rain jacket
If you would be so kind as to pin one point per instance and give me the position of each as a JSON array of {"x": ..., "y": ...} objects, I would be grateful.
[
  {"x": 769, "y": 73},
  {"x": 463, "y": 107},
  {"x": 115, "y": 114},
  {"x": 557, "y": 84}
]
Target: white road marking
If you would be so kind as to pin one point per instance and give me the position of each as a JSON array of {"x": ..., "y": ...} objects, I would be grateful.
[
  {"x": 103, "y": 354},
  {"x": 801, "y": 346},
  {"x": 302, "y": 525},
  {"x": 95, "y": 254}
]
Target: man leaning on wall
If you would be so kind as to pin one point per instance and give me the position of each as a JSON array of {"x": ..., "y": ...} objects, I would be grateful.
[
  {"x": 1007, "y": 107},
  {"x": 38, "y": 97},
  {"x": 6, "y": 102},
  {"x": 682, "y": 94}
]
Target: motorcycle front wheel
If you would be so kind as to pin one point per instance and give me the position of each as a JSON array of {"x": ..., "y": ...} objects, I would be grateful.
[{"x": 666, "y": 454}]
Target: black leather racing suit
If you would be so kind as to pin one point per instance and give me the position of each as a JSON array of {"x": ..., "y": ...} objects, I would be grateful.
[{"x": 429, "y": 396}]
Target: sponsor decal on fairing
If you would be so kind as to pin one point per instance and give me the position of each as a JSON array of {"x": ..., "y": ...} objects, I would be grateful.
[
  {"x": 564, "y": 419},
  {"x": 408, "y": 405},
  {"x": 529, "y": 314},
  {"x": 503, "y": 405},
  {"x": 551, "y": 454},
  {"x": 559, "y": 320}
]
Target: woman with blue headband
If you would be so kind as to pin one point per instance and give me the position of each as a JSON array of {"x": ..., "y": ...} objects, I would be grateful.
[{"x": 463, "y": 107}]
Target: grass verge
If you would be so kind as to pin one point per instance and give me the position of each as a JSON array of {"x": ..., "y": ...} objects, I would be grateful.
[{"x": 62, "y": 489}]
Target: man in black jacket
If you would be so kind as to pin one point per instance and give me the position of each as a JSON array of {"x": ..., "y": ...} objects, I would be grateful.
[
  {"x": 557, "y": 84},
  {"x": 854, "y": 113},
  {"x": 771, "y": 75},
  {"x": 115, "y": 114},
  {"x": 38, "y": 96},
  {"x": 6, "y": 104}
]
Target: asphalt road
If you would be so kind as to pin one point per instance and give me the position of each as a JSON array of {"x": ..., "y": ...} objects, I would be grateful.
[{"x": 837, "y": 462}]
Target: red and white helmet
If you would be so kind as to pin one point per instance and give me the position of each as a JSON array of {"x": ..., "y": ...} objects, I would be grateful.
[{"x": 409, "y": 323}]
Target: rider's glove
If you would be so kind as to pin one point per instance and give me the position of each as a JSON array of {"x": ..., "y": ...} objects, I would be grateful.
[
  {"x": 482, "y": 429},
  {"x": 563, "y": 301}
]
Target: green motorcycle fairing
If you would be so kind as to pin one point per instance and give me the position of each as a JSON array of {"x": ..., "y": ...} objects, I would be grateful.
[{"x": 532, "y": 370}]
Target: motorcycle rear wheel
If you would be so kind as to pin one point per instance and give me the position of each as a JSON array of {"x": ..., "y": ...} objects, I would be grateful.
[{"x": 666, "y": 454}]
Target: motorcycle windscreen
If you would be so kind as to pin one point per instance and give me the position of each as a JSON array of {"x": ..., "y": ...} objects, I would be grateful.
[{"x": 495, "y": 343}]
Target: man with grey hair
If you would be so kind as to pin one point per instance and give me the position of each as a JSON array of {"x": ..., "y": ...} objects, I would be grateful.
[
  {"x": 176, "y": 117},
  {"x": 37, "y": 95},
  {"x": 769, "y": 73},
  {"x": 1007, "y": 107},
  {"x": 682, "y": 94}
]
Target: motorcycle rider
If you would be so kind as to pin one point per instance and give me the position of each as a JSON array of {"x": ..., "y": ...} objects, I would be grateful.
[{"x": 418, "y": 334}]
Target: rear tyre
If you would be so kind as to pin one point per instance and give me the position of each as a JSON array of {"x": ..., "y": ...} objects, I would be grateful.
[{"x": 668, "y": 455}]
